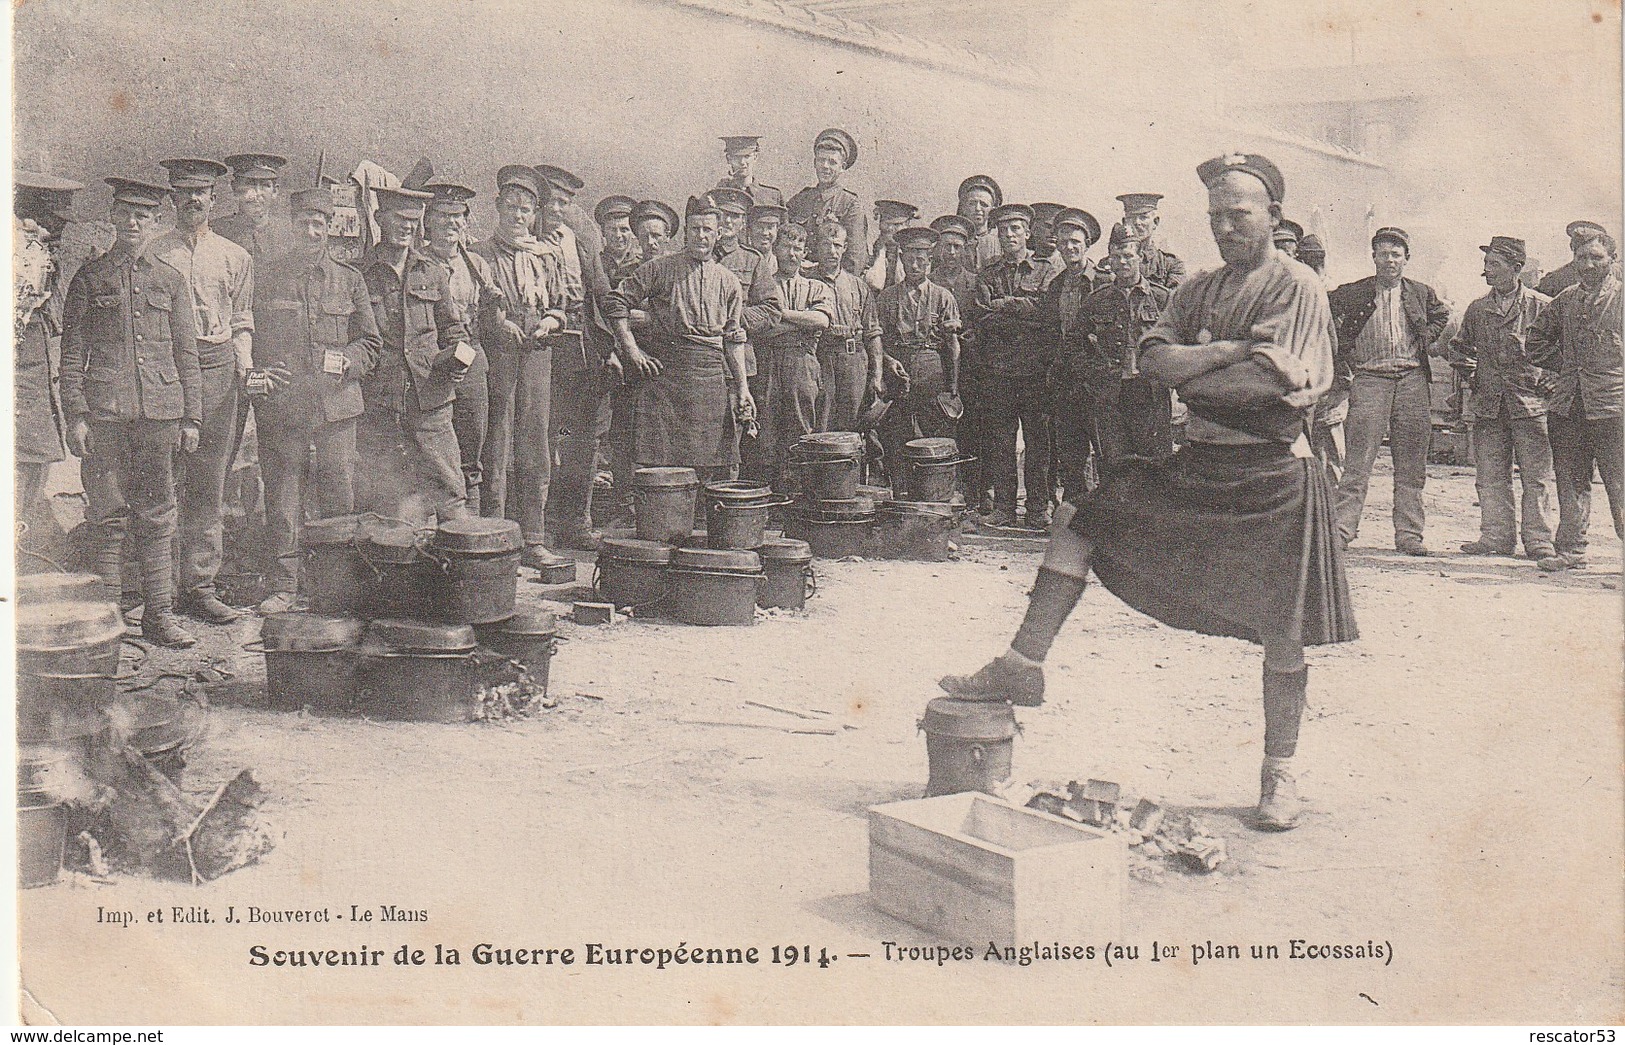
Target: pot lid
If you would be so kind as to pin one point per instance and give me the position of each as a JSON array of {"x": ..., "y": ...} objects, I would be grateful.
[
  {"x": 287, "y": 632},
  {"x": 631, "y": 549},
  {"x": 528, "y": 622},
  {"x": 36, "y": 588},
  {"x": 478, "y": 534},
  {"x": 716, "y": 559},
  {"x": 387, "y": 542},
  {"x": 844, "y": 442},
  {"x": 945, "y": 509},
  {"x": 931, "y": 449},
  {"x": 785, "y": 549},
  {"x": 418, "y": 637},
  {"x": 736, "y": 491},
  {"x": 52, "y": 626},
  {"x": 845, "y": 508},
  {"x": 969, "y": 719},
  {"x": 341, "y": 529},
  {"x": 658, "y": 477}
]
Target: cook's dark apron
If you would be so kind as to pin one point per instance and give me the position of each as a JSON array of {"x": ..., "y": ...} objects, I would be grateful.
[{"x": 682, "y": 415}]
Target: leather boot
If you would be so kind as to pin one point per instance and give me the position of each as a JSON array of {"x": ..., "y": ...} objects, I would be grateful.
[
  {"x": 1278, "y": 803},
  {"x": 1000, "y": 680}
]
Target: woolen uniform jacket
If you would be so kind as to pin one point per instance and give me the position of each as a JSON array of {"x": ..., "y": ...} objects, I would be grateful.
[
  {"x": 417, "y": 319},
  {"x": 305, "y": 308},
  {"x": 1353, "y": 303}
]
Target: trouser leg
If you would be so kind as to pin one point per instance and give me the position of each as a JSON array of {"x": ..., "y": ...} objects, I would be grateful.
[
  {"x": 148, "y": 484},
  {"x": 203, "y": 483},
  {"x": 1607, "y": 445},
  {"x": 1410, "y": 432},
  {"x": 622, "y": 441},
  {"x": 1035, "y": 435},
  {"x": 284, "y": 453},
  {"x": 496, "y": 459},
  {"x": 470, "y": 418},
  {"x": 1533, "y": 451},
  {"x": 575, "y": 408},
  {"x": 1572, "y": 464},
  {"x": 381, "y": 483},
  {"x": 1492, "y": 466},
  {"x": 106, "y": 511},
  {"x": 437, "y": 462},
  {"x": 1371, "y": 403},
  {"x": 1071, "y": 443},
  {"x": 332, "y": 477},
  {"x": 531, "y": 478}
]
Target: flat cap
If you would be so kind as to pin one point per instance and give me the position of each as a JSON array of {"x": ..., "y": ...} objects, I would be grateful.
[
  {"x": 896, "y": 210},
  {"x": 521, "y": 176},
  {"x": 1047, "y": 211},
  {"x": 449, "y": 197},
  {"x": 956, "y": 224},
  {"x": 759, "y": 211},
  {"x": 1010, "y": 212},
  {"x": 916, "y": 236},
  {"x": 1310, "y": 244},
  {"x": 1582, "y": 227},
  {"x": 45, "y": 192},
  {"x": 1072, "y": 217},
  {"x": 1508, "y": 247},
  {"x": 140, "y": 193},
  {"x": 1258, "y": 166},
  {"x": 193, "y": 173},
  {"x": 835, "y": 138},
  {"x": 1391, "y": 234},
  {"x": 1139, "y": 202},
  {"x": 318, "y": 199},
  {"x": 405, "y": 202},
  {"x": 732, "y": 201},
  {"x": 612, "y": 207},
  {"x": 655, "y": 209},
  {"x": 560, "y": 179},
  {"x": 985, "y": 183},
  {"x": 1287, "y": 230},
  {"x": 21, "y": 180},
  {"x": 736, "y": 143},
  {"x": 263, "y": 166},
  {"x": 700, "y": 205}
]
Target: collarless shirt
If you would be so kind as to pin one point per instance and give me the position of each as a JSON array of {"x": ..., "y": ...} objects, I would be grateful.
[
  {"x": 1385, "y": 345},
  {"x": 221, "y": 275}
]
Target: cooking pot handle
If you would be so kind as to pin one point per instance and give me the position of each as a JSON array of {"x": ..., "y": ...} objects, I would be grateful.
[
  {"x": 597, "y": 572},
  {"x": 977, "y": 754},
  {"x": 141, "y": 648},
  {"x": 811, "y": 582},
  {"x": 257, "y": 646}
]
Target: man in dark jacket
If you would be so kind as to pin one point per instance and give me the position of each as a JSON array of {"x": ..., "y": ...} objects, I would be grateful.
[{"x": 1385, "y": 324}]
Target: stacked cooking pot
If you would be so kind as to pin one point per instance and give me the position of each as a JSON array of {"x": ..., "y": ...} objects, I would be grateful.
[
  {"x": 740, "y": 566},
  {"x": 838, "y": 517},
  {"x": 403, "y": 623},
  {"x": 921, "y": 521}
]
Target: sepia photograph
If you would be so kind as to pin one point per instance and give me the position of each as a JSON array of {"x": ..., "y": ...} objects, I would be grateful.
[{"x": 818, "y": 512}]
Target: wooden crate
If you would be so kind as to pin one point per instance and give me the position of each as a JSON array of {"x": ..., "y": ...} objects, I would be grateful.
[{"x": 971, "y": 868}]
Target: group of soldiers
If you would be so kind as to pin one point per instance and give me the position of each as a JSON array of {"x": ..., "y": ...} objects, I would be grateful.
[{"x": 436, "y": 376}]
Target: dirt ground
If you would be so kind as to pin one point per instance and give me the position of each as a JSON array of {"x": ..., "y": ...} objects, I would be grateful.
[{"x": 1462, "y": 762}]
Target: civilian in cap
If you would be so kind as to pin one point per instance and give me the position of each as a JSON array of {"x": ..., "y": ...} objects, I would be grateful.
[
  {"x": 480, "y": 305},
  {"x": 919, "y": 330},
  {"x": 221, "y": 275},
  {"x": 1043, "y": 241},
  {"x": 518, "y": 461},
  {"x": 764, "y": 305},
  {"x": 317, "y": 333},
  {"x": 1577, "y": 337},
  {"x": 1568, "y": 274},
  {"x": 412, "y": 467},
  {"x": 655, "y": 225},
  {"x": 1385, "y": 324},
  {"x": 1011, "y": 360},
  {"x": 1062, "y": 309},
  {"x": 741, "y": 150},
  {"x": 40, "y": 205},
  {"x": 1231, "y": 536},
  {"x": 951, "y": 260},
  {"x": 621, "y": 254},
  {"x": 129, "y": 318},
  {"x": 762, "y": 224},
  {"x": 256, "y": 227},
  {"x": 686, "y": 363},
  {"x": 791, "y": 376},
  {"x": 849, "y": 352},
  {"x": 1287, "y": 236},
  {"x": 978, "y": 195},
  {"x": 1508, "y": 405},
  {"x": 834, "y": 152},
  {"x": 1140, "y": 217},
  {"x": 1312, "y": 252},
  {"x": 883, "y": 267}
]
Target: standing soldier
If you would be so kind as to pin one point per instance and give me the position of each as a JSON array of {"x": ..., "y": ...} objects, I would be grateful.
[
  {"x": 763, "y": 305},
  {"x": 406, "y": 437},
  {"x": 1568, "y": 274},
  {"x": 521, "y": 362},
  {"x": 919, "y": 327},
  {"x": 1140, "y": 217},
  {"x": 40, "y": 207},
  {"x": 316, "y": 332},
  {"x": 978, "y": 195},
  {"x": 621, "y": 255},
  {"x": 1509, "y": 406},
  {"x": 655, "y": 225},
  {"x": 1578, "y": 337},
  {"x": 849, "y": 352},
  {"x": 696, "y": 336},
  {"x": 1287, "y": 236},
  {"x": 1012, "y": 362},
  {"x": 834, "y": 151},
  {"x": 1044, "y": 240},
  {"x": 741, "y": 150},
  {"x": 950, "y": 261},
  {"x": 763, "y": 222},
  {"x": 256, "y": 227},
  {"x": 474, "y": 293},
  {"x": 1062, "y": 309},
  {"x": 792, "y": 377},
  {"x": 1385, "y": 324},
  {"x": 883, "y": 267},
  {"x": 221, "y": 276},
  {"x": 132, "y": 394}
]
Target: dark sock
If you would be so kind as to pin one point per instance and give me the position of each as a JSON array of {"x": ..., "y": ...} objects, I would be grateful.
[
  {"x": 1053, "y": 597},
  {"x": 1284, "y": 700}
]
